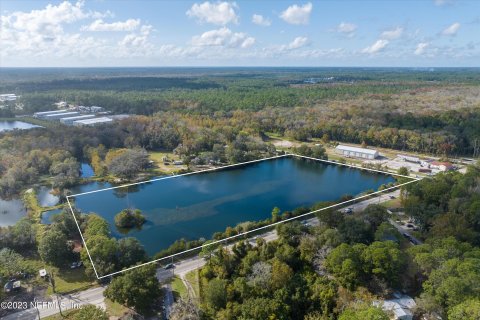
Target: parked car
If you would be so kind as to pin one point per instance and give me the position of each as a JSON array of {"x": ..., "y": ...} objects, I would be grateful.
[
  {"x": 392, "y": 197},
  {"x": 76, "y": 265},
  {"x": 169, "y": 266},
  {"x": 348, "y": 210}
]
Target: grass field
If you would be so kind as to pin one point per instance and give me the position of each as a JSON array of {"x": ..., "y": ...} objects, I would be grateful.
[
  {"x": 160, "y": 167},
  {"x": 192, "y": 278},
  {"x": 178, "y": 288},
  {"x": 115, "y": 309}
]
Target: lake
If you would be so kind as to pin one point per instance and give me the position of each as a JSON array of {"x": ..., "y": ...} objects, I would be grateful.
[
  {"x": 7, "y": 125},
  {"x": 197, "y": 205},
  {"x": 11, "y": 211}
]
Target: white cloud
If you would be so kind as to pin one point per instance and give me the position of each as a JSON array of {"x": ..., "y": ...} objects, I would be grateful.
[
  {"x": 347, "y": 28},
  {"x": 223, "y": 37},
  {"x": 298, "y": 42},
  {"x": 100, "y": 25},
  {"x": 260, "y": 20},
  {"x": 421, "y": 47},
  {"x": 220, "y": 13},
  {"x": 40, "y": 33},
  {"x": 451, "y": 30},
  {"x": 297, "y": 14},
  {"x": 376, "y": 47},
  {"x": 137, "y": 39},
  {"x": 392, "y": 34}
]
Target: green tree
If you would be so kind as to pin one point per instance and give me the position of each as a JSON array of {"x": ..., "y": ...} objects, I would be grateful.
[
  {"x": 346, "y": 264},
  {"x": 104, "y": 252},
  {"x": 384, "y": 260},
  {"x": 54, "y": 249},
  {"x": 364, "y": 312},
  {"x": 275, "y": 214},
  {"x": 138, "y": 288},
  {"x": 281, "y": 274},
  {"x": 130, "y": 252},
  {"x": 10, "y": 262},
  {"x": 354, "y": 230},
  {"x": 96, "y": 225},
  {"x": 89, "y": 312},
  {"x": 375, "y": 214},
  {"x": 467, "y": 310},
  {"x": 129, "y": 218},
  {"x": 216, "y": 294}
]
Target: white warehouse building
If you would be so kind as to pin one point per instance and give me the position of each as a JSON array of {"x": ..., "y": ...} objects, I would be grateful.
[
  {"x": 58, "y": 116},
  {"x": 356, "y": 152},
  {"x": 43, "y": 114},
  {"x": 92, "y": 122},
  {"x": 69, "y": 120}
]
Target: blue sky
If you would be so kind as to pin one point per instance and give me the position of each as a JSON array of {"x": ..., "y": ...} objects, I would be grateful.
[{"x": 241, "y": 33}]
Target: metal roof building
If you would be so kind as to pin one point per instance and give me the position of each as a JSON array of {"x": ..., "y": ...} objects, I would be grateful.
[
  {"x": 70, "y": 120},
  {"x": 57, "y": 116},
  {"x": 92, "y": 122},
  {"x": 44, "y": 113},
  {"x": 356, "y": 152}
]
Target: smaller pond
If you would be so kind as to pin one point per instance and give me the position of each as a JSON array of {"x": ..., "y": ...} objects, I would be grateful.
[
  {"x": 86, "y": 170},
  {"x": 11, "y": 211},
  {"x": 47, "y": 216},
  {"x": 7, "y": 125},
  {"x": 45, "y": 198}
]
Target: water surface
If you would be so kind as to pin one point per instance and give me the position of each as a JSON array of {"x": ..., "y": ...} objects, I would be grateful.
[
  {"x": 11, "y": 211},
  {"x": 46, "y": 198},
  {"x": 198, "y": 205},
  {"x": 86, "y": 170},
  {"x": 47, "y": 216},
  {"x": 7, "y": 125}
]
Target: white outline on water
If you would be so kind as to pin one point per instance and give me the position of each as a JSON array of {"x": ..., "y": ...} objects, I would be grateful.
[{"x": 243, "y": 233}]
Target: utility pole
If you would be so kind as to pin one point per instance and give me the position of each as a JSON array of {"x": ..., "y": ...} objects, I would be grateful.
[{"x": 52, "y": 282}]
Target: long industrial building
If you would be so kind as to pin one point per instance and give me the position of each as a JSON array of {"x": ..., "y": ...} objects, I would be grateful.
[
  {"x": 92, "y": 122},
  {"x": 71, "y": 120},
  {"x": 42, "y": 114},
  {"x": 356, "y": 152},
  {"x": 58, "y": 116}
]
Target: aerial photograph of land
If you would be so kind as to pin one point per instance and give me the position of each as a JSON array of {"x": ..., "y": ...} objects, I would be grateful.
[{"x": 252, "y": 160}]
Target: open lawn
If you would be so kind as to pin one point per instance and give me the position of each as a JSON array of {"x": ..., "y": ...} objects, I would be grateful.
[
  {"x": 160, "y": 167},
  {"x": 115, "y": 309},
  {"x": 68, "y": 280},
  {"x": 393, "y": 203},
  {"x": 178, "y": 288},
  {"x": 67, "y": 315}
]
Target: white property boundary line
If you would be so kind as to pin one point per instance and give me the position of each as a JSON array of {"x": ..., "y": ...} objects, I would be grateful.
[{"x": 243, "y": 233}]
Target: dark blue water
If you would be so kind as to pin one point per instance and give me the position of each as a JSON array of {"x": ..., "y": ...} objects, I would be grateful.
[
  {"x": 198, "y": 205},
  {"x": 86, "y": 170},
  {"x": 6, "y": 125},
  {"x": 47, "y": 216}
]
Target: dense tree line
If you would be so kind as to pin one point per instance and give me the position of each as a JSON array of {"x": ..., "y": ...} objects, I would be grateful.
[
  {"x": 109, "y": 254},
  {"x": 447, "y": 205}
]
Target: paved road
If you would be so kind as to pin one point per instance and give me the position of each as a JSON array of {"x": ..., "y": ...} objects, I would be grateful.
[
  {"x": 379, "y": 199},
  {"x": 91, "y": 296},
  {"x": 405, "y": 231},
  {"x": 167, "y": 299}
]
